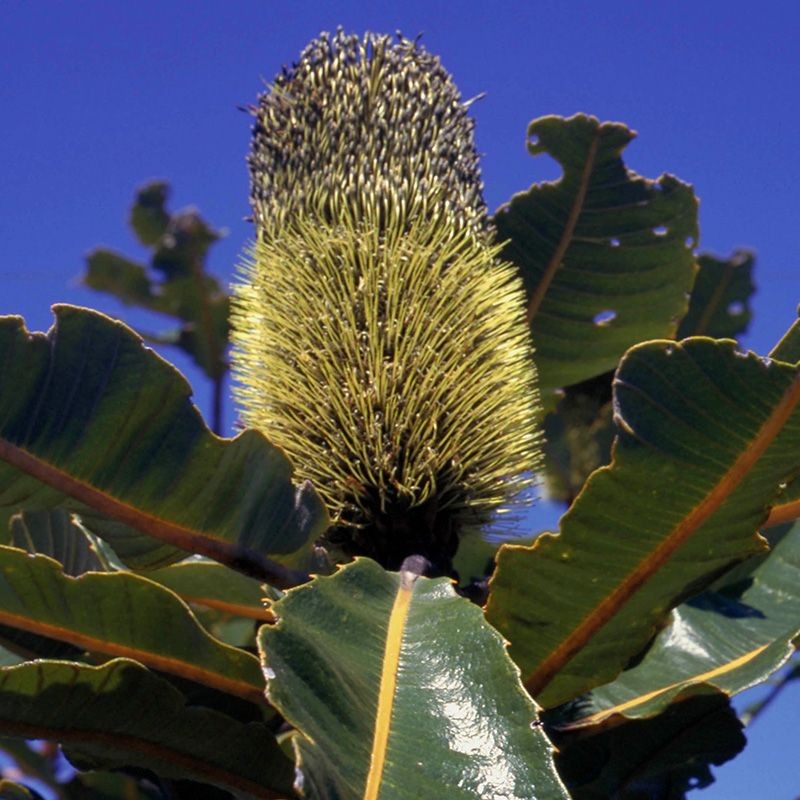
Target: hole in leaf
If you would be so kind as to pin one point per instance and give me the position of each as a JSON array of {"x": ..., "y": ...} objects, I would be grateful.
[
  {"x": 736, "y": 309},
  {"x": 614, "y": 242},
  {"x": 533, "y": 139},
  {"x": 604, "y": 318},
  {"x": 661, "y": 230}
]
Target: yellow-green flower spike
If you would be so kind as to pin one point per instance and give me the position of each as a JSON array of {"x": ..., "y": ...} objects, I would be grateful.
[{"x": 378, "y": 339}]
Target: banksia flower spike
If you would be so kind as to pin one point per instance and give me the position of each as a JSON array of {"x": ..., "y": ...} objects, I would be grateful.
[
  {"x": 378, "y": 339},
  {"x": 362, "y": 127}
]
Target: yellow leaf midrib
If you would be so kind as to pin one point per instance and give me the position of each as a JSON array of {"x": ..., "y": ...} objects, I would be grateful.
[
  {"x": 690, "y": 680},
  {"x": 388, "y": 684}
]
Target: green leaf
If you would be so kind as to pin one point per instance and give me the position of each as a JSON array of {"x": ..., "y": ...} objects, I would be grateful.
[
  {"x": 9, "y": 659},
  {"x": 53, "y": 533},
  {"x": 663, "y": 757},
  {"x": 578, "y": 436},
  {"x": 787, "y": 510},
  {"x": 16, "y": 791},
  {"x": 731, "y": 638},
  {"x": 86, "y": 612},
  {"x": 177, "y": 283},
  {"x": 109, "y": 786},
  {"x": 93, "y": 422},
  {"x": 19, "y": 646},
  {"x": 121, "y": 715},
  {"x": 401, "y": 690},
  {"x": 776, "y": 686},
  {"x": 719, "y": 305},
  {"x": 149, "y": 218},
  {"x": 196, "y": 299},
  {"x": 184, "y": 246},
  {"x": 606, "y": 255},
  {"x": 474, "y": 557},
  {"x": 210, "y": 584},
  {"x": 788, "y": 348},
  {"x": 112, "y": 273},
  {"x": 705, "y": 438}
]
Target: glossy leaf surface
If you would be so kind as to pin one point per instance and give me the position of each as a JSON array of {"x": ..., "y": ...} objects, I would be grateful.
[
  {"x": 121, "y": 715},
  {"x": 88, "y": 612},
  {"x": 92, "y": 421},
  {"x": 401, "y": 690},
  {"x": 606, "y": 255},
  {"x": 706, "y": 436},
  {"x": 731, "y": 637}
]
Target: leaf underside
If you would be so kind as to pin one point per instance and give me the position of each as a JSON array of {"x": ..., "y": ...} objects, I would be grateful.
[
  {"x": 176, "y": 282},
  {"x": 121, "y": 715},
  {"x": 93, "y": 422},
  {"x": 733, "y": 636},
  {"x": 579, "y": 430},
  {"x": 87, "y": 612},
  {"x": 706, "y": 436},
  {"x": 606, "y": 255},
  {"x": 719, "y": 305}
]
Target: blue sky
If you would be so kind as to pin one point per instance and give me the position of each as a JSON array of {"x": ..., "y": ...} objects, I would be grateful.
[{"x": 97, "y": 97}]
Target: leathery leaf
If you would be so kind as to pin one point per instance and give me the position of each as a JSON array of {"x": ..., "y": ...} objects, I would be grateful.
[
  {"x": 92, "y": 421},
  {"x": 36, "y": 596},
  {"x": 121, "y": 715},
  {"x": 400, "y": 689},
  {"x": 732, "y": 636},
  {"x": 205, "y": 583},
  {"x": 606, "y": 255},
  {"x": 706, "y": 437}
]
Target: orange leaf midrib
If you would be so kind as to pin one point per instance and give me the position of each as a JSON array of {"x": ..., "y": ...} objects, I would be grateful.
[
  {"x": 183, "y": 538},
  {"x": 553, "y": 264},
  {"x": 173, "y": 666},
  {"x": 782, "y": 513},
  {"x": 236, "y": 609},
  {"x": 604, "y": 611}
]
